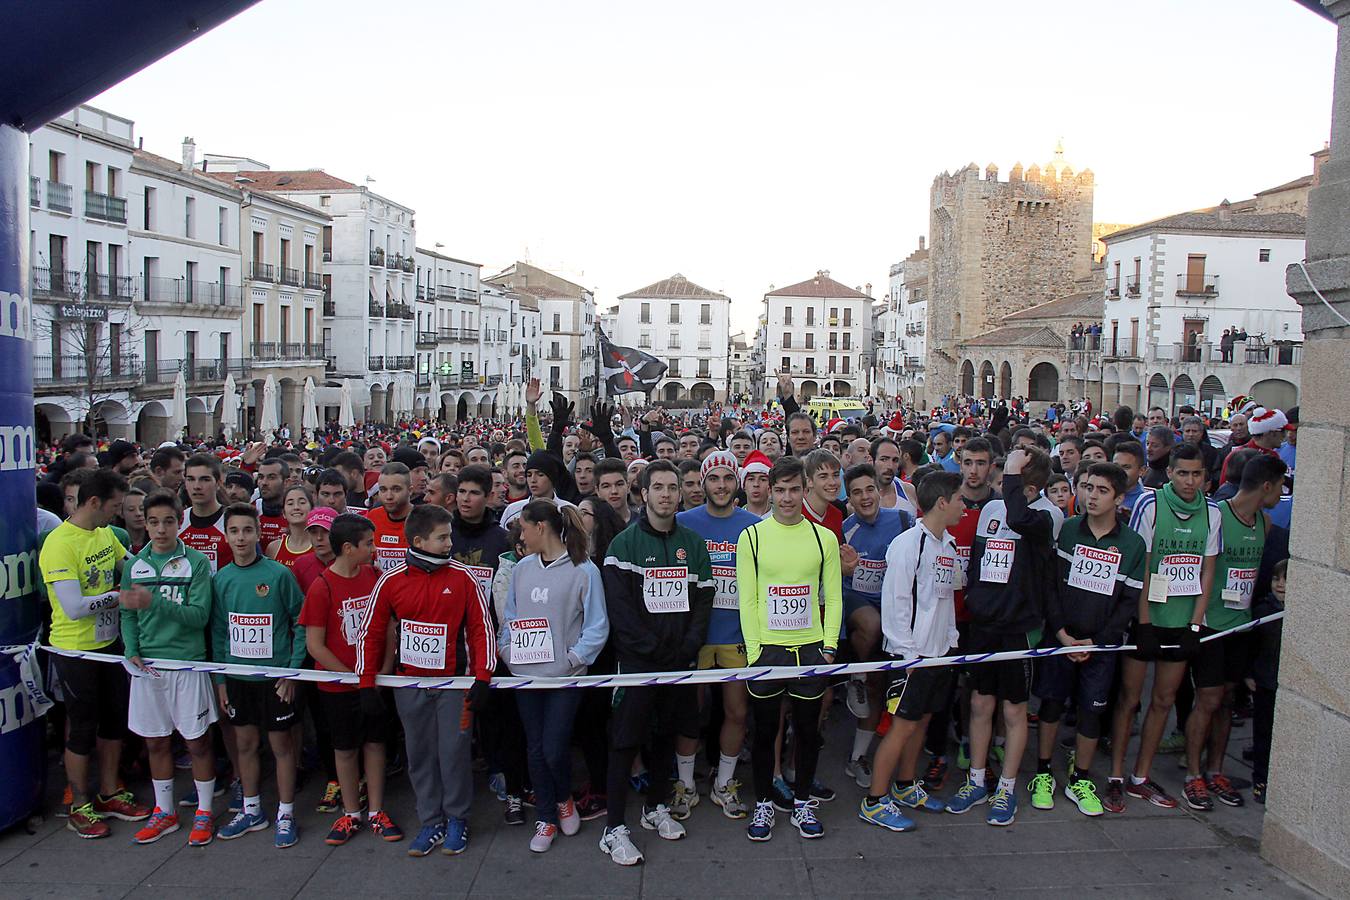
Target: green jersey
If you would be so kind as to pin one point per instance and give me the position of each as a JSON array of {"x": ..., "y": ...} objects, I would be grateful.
[
  {"x": 1230, "y": 600},
  {"x": 254, "y": 616},
  {"x": 1178, "y": 535},
  {"x": 174, "y": 625}
]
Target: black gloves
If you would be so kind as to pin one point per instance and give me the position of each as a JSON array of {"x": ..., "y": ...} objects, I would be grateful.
[
  {"x": 479, "y": 696},
  {"x": 562, "y": 411}
]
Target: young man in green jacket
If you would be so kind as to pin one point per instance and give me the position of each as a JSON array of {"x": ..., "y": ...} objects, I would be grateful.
[
  {"x": 255, "y": 621},
  {"x": 166, "y": 602}
]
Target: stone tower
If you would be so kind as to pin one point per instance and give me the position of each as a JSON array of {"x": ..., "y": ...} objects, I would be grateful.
[{"x": 999, "y": 247}]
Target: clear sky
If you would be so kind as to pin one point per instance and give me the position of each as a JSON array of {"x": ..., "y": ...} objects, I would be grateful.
[{"x": 742, "y": 144}]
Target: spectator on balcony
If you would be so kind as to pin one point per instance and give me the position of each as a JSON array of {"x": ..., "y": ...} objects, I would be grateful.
[
  {"x": 1226, "y": 345},
  {"x": 1094, "y": 336}
]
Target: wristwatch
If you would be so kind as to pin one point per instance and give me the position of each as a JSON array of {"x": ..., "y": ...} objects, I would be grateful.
[{"x": 1195, "y": 628}]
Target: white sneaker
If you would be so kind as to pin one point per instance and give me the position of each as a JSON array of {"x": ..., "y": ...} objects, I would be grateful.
[
  {"x": 855, "y": 697},
  {"x": 682, "y": 800},
  {"x": 659, "y": 820},
  {"x": 569, "y": 820},
  {"x": 729, "y": 798},
  {"x": 860, "y": 770},
  {"x": 544, "y": 833},
  {"x": 618, "y": 844}
]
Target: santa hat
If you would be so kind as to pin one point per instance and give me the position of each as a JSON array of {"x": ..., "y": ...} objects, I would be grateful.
[
  {"x": 1244, "y": 405},
  {"x": 721, "y": 459},
  {"x": 897, "y": 422},
  {"x": 1264, "y": 421},
  {"x": 834, "y": 425},
  {"x": 755, "y": 462}
]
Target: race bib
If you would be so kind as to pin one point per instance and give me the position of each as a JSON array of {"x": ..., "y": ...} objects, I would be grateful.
[
  {"x": 944, "y": 574},
  {"x": 421, "y": 645},
  {"x": 251, "y": 635},
  {"x": 387, "y": 558},
  {"x": 211, "y": 557},
  {"x": 867, "y": 577},
  {"x": 1178, "y": 576},
  {"x": 482, "y": 575},
  {"x": 352, "y": 612},
  {"x": 727, "y": 594},
  {"x": 107, "y": 625},
  {"x": 531, "y": 642},
  {"x": 1237, "y": 592},
  {"x": 962, "y": 567},
  {"x": 666, "y": 590},
  {"x": 789, "y": 607},
  {"x": 996, "y": 564},
  {"x": 1094, "y": 570}
]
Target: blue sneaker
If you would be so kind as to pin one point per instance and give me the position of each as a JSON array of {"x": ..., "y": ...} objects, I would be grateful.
[
  {"x": 236, "y": 796},
  {"x": 885, "y": 814},
  {"x": 970, "y": 794},
  {"x": 915, "y": 797},
  {"x": 427, "y": 839},
  {"x": 640, "y": 781},
  {"x": 804, "y": 819},
  {"x": 241, "y": 825},
  {"x": 1003, "y": 808},
  {"x": 761, "y": 822},
  {"x": 497, "y": 784},
  {"x": 287, "y": 832},
  {"x": 783, "y": 798},
  {"x": 190, "y": 798},
  {"x": 456, "y": 837}
]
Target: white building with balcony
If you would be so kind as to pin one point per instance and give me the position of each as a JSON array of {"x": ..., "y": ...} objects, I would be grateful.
[
  {"x": 688, "y": 327},
  {"x": 369, "y": 261},
  {"x": 567, "y": 339},
  {"x": 1175, "y": 285},
  {"x": 820, "y": 331}
]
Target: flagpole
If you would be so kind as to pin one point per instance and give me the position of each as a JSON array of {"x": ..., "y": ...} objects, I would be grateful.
[{"x": 600, "y": 385}]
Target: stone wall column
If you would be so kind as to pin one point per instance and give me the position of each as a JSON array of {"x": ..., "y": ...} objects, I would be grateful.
[{"x": 1307, "y": 826}]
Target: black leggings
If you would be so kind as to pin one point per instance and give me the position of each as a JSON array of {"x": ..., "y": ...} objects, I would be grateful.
[
  {"x": 806, "y": 741},
  {"x": 1263, "y": 723},
  {"x": 591, "y": 732}
]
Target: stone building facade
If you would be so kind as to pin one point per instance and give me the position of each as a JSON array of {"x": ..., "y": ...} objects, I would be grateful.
[{"x": 998, "y": 247}]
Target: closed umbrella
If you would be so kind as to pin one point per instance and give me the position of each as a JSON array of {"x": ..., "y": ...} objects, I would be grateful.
[
  {"x": 501, "y": 397},
  {"x": 178, "y": 408},
  {"x": 267, "y": 418},
  {"x": 229, "y": 407},
  {"x": 309, "y": 416},
  {"x": 345, "y": 417}
]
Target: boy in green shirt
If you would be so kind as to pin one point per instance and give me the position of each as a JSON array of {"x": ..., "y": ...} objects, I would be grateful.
[
  {"x": 166, "y": 601},
  {"x": 254, "y": 620}
]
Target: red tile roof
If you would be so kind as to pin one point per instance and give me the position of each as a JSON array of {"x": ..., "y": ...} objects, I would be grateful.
[
  {"x": 820, "y": 286},
  {"x": 674, "y": 287},
  {"x": 298, "y": 180}
]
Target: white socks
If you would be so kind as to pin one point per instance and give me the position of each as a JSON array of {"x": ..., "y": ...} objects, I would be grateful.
[
  {"x": 1008, "y": 785},
  {"x": 726, "y": 767},
  {"x": 286, "y": 809},
  {"x": 862, "y": 742},
  {"x": 252, "y": 805},
  {"x": 977, "y": 776},
  {"x": 206, "y": 790},
  {"x": 684, "y": 766},
  {"x": 164, "y": 795}
]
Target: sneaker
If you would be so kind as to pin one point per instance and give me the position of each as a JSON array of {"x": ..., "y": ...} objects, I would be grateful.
[
  {"x": 682, "y": 801},
  {"x": 287, "y": 832},
  {"x": 591, "y": 806},
  {"x": 618, "y": 843},
  {"x": 67, "y": 800},
  {"x": 159, "y": 824},
  {"x": 86, "y": 822},
  {"x": 936, "y": 776},
  {"x": 915, "y": 797},
  {"x": 1259, "y": 792},
  {"x": 886, "y": 814},
  {"x": 969, "y": 795},
  {"x": 1042, "y": 789},
  {"x": 804, "y": 819},
  {"x": 544, "y": 833},
  {"x": 1151, "y": 792},
  {"x": 382, "y": 825},
  {"x": 241, "y": 825},
  {"x": 236, "y": 797},
  {"x": 513, "y": 814},
  {"x": 332, "y": 794},
  {"x": 1114, "y": 801},
  {"x": 660, "y": 821},
  {"x": 1223, "y": 790},
  {"x": 1172, "y": 743},
  {"x": 456, "y": 837},
  {"x": 1003, "y": 808},
  {"x": 189, "y": 799},
  {"x": 342, "y": 831},
  {"x": 821, "y": 792},
  {"x": 761, "y": 824},
  {"x": 427, "y": 839},
  {"x": 855, "y": 697},
  {"x": 1197, "y": 794},
  {"x": 203, "y": 831},
  {"x": 639, "y": 783},
  {"x": 729, "y": 798},
  {"x": 963, "y": 756},
  {"x": 121, "y": 805},
  {"x": 782, "y": 796},
  {"x": 569, "y": 823},
  {"x": 1084, "y": 793},
  {"x": 497, "y": 784},
  {"x": 528, "y": 798},
  {"x": 860, "y": 770}
]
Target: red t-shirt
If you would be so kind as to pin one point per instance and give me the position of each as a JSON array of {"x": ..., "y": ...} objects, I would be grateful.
[
  {"x": 964, "y": 536},
  {"x": 208, "y": 537},
  {"x": 390, "y": 546},
  {"x": 338, "y": 605},
  {"x": 833, "y": 519},
  {"x": 287, "y": 557},
  {"x": 307, "y": 568}
]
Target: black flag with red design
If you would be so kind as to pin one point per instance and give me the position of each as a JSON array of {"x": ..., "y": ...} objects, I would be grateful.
[{"x": 626, "y": 370}]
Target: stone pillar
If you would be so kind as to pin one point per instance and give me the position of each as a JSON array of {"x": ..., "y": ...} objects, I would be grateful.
[{"x": 1307, "y": 829}]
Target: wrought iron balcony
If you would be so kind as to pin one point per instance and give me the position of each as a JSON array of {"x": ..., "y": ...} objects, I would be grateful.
[
  {"x": 157, "y": 289},
  {"x": 375, "y": 363},
  {"x": 313, "y": 281},
  {"x": 101, "y": 370},
  {"x": 377, "y": 257},
  {"x": 329, "y": 307},
  {"x": 290, "y": 276},
  {"x": 59, "y": 197},
  {"x": 426, "y": 339},
  {"x": 105, "y": 207},
  {"x": 402, "y": 363},
  {"x": 1202, "y": 284},
  {"x": 260, "y": 271},
  {"x": 55, "y": 282}
]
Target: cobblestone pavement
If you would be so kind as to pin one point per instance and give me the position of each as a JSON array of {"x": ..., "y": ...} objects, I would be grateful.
[{"x": 1145, "y": 852}]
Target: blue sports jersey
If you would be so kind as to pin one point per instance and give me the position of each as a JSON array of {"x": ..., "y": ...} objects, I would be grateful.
[
  {"x": 724, "y": 626},
  {"x": 872, "y": 541}
]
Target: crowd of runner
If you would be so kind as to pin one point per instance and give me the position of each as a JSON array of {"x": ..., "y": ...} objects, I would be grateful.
[{"x": 657, "y": 544}]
